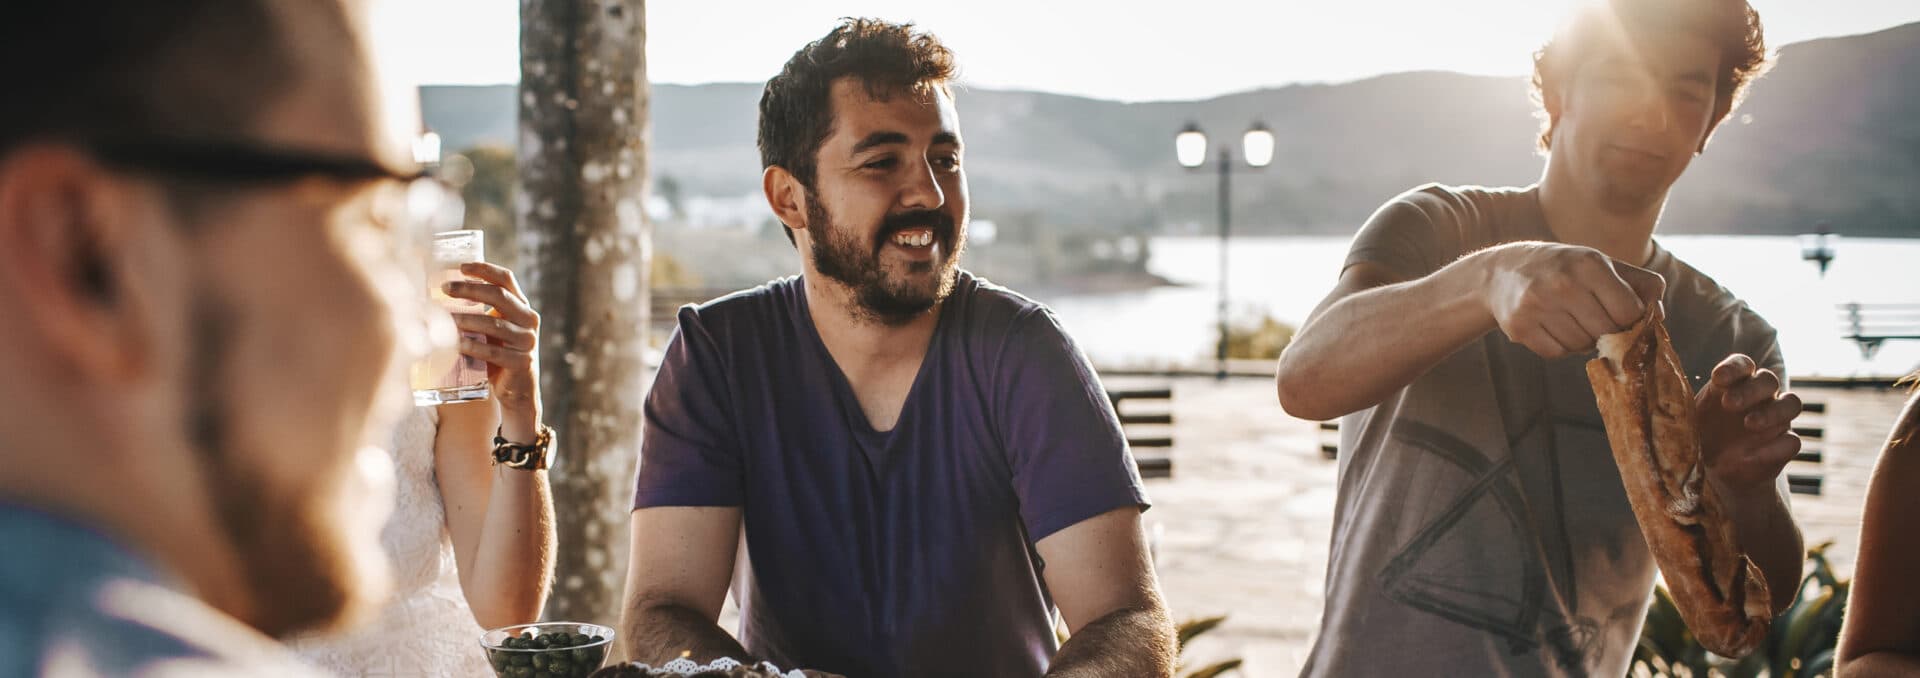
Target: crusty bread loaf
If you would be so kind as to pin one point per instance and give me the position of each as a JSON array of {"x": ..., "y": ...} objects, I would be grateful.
[{"x": 1648, "y": 407}]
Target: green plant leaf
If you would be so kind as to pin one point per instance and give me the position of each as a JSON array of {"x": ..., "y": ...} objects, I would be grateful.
[
  {"x": 1750, "y": 666},
  {"x": 1193, "y": 628},
  {"x": 1818, "y": 665},
  {"x": 1779, "y": 649},
  {"x": 1824, "y": 635},
  {"x": 1822, "y": 568},
  {"x": 1802, "y": 627},
  {"x": 1664, "y": 629},
  {"x": 1216, "y": 669},
  {"x": 1699, "y": 660}
]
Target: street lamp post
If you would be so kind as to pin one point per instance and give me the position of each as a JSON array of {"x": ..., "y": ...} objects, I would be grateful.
[{"x": 1190, "y": 148}]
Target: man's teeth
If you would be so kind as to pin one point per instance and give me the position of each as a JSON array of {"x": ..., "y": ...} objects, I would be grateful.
[{"x": 921, "y": 239}]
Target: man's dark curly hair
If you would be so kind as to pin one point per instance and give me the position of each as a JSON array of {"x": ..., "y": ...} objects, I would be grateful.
[
  {"x": 796, "y": 108},
  {"x": 1733, "y": 25}
]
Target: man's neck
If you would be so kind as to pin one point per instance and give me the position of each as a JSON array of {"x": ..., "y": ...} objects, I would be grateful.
[
  {"x": 858, "y": 341},
  {"x": 1577, "y": 219}
]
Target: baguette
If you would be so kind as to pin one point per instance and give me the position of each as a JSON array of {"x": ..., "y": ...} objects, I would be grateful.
[{"x": 1648, "y": 409}]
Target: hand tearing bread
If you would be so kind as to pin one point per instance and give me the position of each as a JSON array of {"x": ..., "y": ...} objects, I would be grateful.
[{"x": 1648, "y": 408}]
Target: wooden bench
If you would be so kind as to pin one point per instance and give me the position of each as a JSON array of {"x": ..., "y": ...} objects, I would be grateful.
[
  {"x": 1871, "y": 325},
  {"x": 1152, "y": 453},
  {"x": 1813, "y": 437},
  {"x": 1330, "y": 449}
]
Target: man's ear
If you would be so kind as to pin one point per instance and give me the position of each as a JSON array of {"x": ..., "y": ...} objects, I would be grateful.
[
  {"x": 67, "y": 241},
  {"x": 786, "y": 196}
]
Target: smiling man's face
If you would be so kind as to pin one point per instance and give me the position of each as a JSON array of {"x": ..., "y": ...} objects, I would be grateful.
[{"x": 888, "y": 213}]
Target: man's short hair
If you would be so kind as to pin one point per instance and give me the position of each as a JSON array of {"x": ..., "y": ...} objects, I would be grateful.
[
  {"x": 796, "y": 108},
  {"x": 139, "y": 69},
  {"x": 1732, "y": 25}
]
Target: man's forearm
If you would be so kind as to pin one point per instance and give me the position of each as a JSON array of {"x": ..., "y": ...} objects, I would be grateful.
[
  {"x": 1769, "y": 536},
  {"x": 663, "y": 632},
  {"x": 1123, "y": 643},
  {"x": 1362, "y": 348}
]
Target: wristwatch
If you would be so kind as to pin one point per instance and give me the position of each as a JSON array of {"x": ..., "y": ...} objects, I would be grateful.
[{"x": 533, "y": 457}]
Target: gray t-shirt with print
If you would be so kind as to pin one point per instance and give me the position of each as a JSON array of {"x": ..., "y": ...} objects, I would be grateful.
[{"x": 1481, "y": 528}]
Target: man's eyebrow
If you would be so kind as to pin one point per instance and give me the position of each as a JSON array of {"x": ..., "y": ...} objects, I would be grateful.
[
  {"x": 879, "y": 139},
  {"x": 1696, "y": 78}
]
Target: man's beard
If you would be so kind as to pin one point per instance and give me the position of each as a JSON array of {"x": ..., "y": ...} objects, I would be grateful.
[
  {"x": 839, "y": 255},
  {"x": 1627, "y": 191},
  {"x": 1630, "y": 198},
  {"x": 294, "y": 555}
]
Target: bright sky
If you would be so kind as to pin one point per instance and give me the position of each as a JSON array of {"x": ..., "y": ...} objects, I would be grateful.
[{"x": 1176, "y": 50}]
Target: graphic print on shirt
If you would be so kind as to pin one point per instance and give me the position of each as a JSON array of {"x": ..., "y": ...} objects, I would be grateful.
[{"x": 1495, "y": 580}]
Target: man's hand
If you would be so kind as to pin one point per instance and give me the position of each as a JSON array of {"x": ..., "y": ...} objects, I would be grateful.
[
  {"x": 1746, "y": 439},
  {"x": 1557, "y": 300},
  {"x": 1746, "y": 428}
]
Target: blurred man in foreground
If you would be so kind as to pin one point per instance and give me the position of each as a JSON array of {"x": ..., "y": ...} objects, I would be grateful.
[{"x": 207, "y": 285}]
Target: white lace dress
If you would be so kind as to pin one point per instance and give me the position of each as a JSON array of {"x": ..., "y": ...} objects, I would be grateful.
[{"x": 427, "y": 628}]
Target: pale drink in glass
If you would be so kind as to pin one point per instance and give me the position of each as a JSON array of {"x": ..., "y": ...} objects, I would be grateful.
[{"x": 446, "y": 376}]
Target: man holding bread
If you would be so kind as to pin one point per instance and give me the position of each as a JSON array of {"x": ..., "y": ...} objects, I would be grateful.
[{"x": 1481, "y": 524}]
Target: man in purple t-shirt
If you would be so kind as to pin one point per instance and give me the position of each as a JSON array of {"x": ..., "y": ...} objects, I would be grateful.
[{"x": 921, "y": 463}]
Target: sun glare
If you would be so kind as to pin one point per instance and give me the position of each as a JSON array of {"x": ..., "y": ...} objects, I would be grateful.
[
  {"x": 397, "y": 74},
  {"x": 1199, "y": 49}
]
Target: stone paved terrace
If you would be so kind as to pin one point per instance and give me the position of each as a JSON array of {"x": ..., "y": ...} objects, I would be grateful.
[{"x": 1242, "y": 527}]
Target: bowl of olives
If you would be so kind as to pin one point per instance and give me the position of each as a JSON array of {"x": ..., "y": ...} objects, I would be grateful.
[{"x": 547, "y": 650}]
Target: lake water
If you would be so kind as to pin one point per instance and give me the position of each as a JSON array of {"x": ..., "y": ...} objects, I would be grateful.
[{"x": 1286, "y": 277}]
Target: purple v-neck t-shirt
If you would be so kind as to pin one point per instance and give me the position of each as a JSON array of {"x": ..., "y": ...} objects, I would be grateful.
[{"x": 907, "y": 552}]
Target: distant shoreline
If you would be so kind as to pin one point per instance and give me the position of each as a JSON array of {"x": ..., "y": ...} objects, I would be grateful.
[{"x": 1101, "y": 282}]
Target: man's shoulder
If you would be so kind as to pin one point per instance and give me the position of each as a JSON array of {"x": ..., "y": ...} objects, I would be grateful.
[
  {"x": 986, "y": 298},
  {"x": 1699, "y": 295},
  {"x": 1699, "y": 307},
  {"x": 76, "y": 605},
  {"x": 749, "y": 312},
  {"x": 1439, "y": 202},
  {"x": 1422, "y": 229},
  {"x": 133, "y": 627},
  {"x": 994, "y": 312},
  {"x": 749, "y": 304}
]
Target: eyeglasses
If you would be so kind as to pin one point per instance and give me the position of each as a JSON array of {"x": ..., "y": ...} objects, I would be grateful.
[
  {"x": 410, "y": 207},
  {"x": 242, "y": 162},
  {"x": 422, "y": 207}
]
